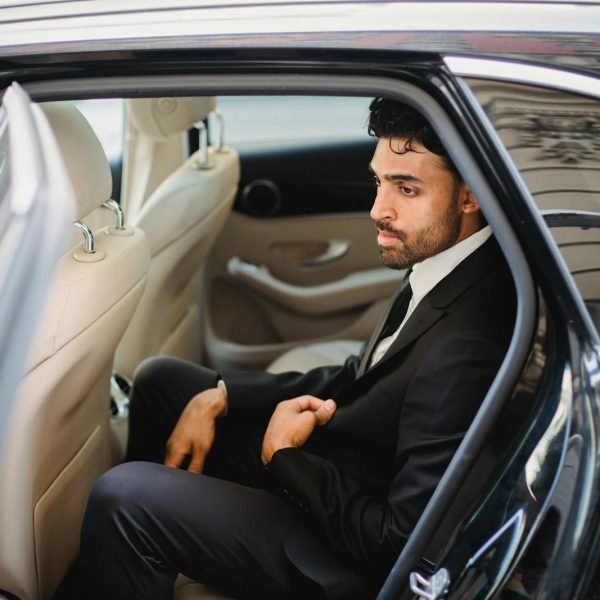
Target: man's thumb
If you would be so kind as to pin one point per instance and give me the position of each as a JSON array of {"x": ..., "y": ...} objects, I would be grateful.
[{"x": 325, "y": 412}]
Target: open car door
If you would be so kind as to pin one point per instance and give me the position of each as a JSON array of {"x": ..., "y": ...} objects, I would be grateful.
[
  {"x": 35, "y": 208},
  {"x": 498, "y": 527}
]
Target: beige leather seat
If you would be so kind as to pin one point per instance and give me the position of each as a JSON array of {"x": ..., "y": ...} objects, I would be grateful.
[
  {"x": 60, "y": 439},
  {"x": 181, "y": 219}
]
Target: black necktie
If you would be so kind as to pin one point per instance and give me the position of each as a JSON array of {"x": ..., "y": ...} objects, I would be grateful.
[
  {"x": 389, "y": 322},
  {"x": 397, "y": 313}
]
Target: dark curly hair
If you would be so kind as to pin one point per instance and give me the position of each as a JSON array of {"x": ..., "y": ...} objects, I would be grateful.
[{"x": 392, "y": 119}]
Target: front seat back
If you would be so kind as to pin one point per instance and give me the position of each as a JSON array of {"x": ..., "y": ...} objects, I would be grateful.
[
  {"x": 60, "y": 439},
  {"x": 181, "y": 219}
]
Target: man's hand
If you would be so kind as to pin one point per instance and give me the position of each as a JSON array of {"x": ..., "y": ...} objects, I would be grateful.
[
  {"x": 195, "y": 430},
  {"x": 293, "y": 422}
]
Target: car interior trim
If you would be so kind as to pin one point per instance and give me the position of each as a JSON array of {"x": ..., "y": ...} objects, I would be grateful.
[
  {"x": 516, "y": 72},
  {"x": 358, "y": 289}
]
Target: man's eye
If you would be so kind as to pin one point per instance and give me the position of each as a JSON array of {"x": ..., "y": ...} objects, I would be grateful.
[
  {"x": 407, "y": 191},
  {"x": 377, "y": 181}
]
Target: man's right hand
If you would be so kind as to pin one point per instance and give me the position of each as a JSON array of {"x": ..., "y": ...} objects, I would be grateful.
[{"x": 194, "y": 432}]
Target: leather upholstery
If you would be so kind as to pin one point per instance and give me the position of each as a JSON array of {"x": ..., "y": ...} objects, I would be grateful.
[
  {"x": 60, "y": 439},
  {"x": 85, "y": 161},
  {"x": 160, "y": 118},
  {"x": 181, "y": 219}
]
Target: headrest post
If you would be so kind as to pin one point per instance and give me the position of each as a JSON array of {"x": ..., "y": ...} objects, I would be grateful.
[
  {"x": 118, "y": 211},
  {"x": 219, "y": 117},
  {"x": 203, "y": 157},
  {"x": 88, "y": 237}
]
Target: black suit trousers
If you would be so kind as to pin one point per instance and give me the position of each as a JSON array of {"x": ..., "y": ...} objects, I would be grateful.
[{"x": 146, "y": 522}]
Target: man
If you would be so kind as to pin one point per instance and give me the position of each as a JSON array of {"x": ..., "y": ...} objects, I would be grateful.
[{"x": 313, "y": 482}]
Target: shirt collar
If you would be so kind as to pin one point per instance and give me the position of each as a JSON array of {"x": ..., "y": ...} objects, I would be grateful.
[{"x": 428, "y": 273}]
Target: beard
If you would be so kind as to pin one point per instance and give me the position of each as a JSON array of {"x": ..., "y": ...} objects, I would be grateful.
[{"x": 425, "y": 242}]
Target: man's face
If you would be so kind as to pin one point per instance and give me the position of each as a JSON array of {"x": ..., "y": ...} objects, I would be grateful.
[{"x": 417, "y": 210}]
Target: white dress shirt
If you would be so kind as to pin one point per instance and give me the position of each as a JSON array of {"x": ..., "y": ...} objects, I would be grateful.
[{"x": 427, "y": 274}]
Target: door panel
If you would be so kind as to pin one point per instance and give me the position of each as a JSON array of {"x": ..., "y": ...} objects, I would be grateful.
[
  {"x": 350, "y": 292},
  {"x": 250, "y": 323},
  {"x": 297, "y": 261},
  {"x": 524, "y": 542}
]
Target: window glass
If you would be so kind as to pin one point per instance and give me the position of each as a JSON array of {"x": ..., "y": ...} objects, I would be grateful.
[
  {"x": 268, "y": 120},
  {"x": 300, "y": 155},
  {"x": 4, "y": 172},
  {"x": 554, "y": 140},
  {"x": 106, "y": 116}
]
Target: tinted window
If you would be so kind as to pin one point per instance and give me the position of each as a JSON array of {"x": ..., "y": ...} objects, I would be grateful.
[
  {"x": 4, "y": 172},
  {"x": 554, "y": 140},
  {"x": 274, "y": 120},
  {"x": 300, "y": 155}
]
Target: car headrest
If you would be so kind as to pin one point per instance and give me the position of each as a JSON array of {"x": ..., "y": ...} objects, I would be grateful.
[
  {"x": 83, "y": 155},
  {"x": 159, "y": 118}
]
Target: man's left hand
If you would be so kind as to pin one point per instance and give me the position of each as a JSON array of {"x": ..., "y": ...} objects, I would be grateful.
[{"x": 293, "y": 422}]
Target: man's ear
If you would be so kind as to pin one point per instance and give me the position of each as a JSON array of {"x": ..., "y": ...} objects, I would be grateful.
[{"x": 468, "y": 202}]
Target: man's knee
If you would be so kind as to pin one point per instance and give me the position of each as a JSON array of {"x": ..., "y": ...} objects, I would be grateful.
[
  {"x": 151, "y": 379},
  {"x": 119, "y": 491},
  {"x": 152, "y": 370},
  {"x": 160, "y": 373}
]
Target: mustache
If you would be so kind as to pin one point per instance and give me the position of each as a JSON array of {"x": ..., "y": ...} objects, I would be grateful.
[{"x": 385, "y": 226}]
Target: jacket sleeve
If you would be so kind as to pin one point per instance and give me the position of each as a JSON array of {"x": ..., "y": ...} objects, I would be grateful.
[
  {"x": 441, "y": 401},
  {"x": 259, "y": 392}
]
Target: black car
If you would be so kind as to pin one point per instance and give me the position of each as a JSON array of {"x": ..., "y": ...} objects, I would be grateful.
[{"x": 238, "y": 235}]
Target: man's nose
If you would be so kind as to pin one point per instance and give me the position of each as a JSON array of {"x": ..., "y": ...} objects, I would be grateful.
[{"x": 383, "y": 207}]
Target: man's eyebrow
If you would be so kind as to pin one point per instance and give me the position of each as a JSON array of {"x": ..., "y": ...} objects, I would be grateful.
[{"x": 398, "y": 176}]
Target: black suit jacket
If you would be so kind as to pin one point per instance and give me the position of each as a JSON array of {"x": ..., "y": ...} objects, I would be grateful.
[{"x": 365, "y": 478}]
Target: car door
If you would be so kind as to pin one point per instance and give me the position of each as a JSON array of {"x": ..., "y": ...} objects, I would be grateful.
[
  {"x": 524, "y": 519},
  {"x": 297, "y": 261},
  {"x": 35, "y": 203}
]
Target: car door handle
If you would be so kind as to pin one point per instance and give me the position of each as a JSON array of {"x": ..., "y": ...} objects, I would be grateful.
[
  {"x": 358, "y": 289},
  {"x": 310, "y": 254},
  {"x": 336, "y": 249}
]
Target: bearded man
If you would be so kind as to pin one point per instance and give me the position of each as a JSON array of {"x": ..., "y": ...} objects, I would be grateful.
[{"x": 308, "y": 485}]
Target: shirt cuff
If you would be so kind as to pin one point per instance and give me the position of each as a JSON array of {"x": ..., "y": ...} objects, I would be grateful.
[{"x": 221, "y": 385}]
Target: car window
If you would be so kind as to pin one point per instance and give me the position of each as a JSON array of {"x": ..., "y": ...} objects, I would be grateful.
[
  {"x": 4, "y": 172},
  {"x": 106, "y": 116},
  {"x": 554, "y": 140},
  {"x": 299, "y": 155},
  {"x": 272, "y": 120}
]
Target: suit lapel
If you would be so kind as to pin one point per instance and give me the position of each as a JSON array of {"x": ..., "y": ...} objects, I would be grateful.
[
  {"x": 432, "y": 307},
  {"x": 418, "y": 323}
]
